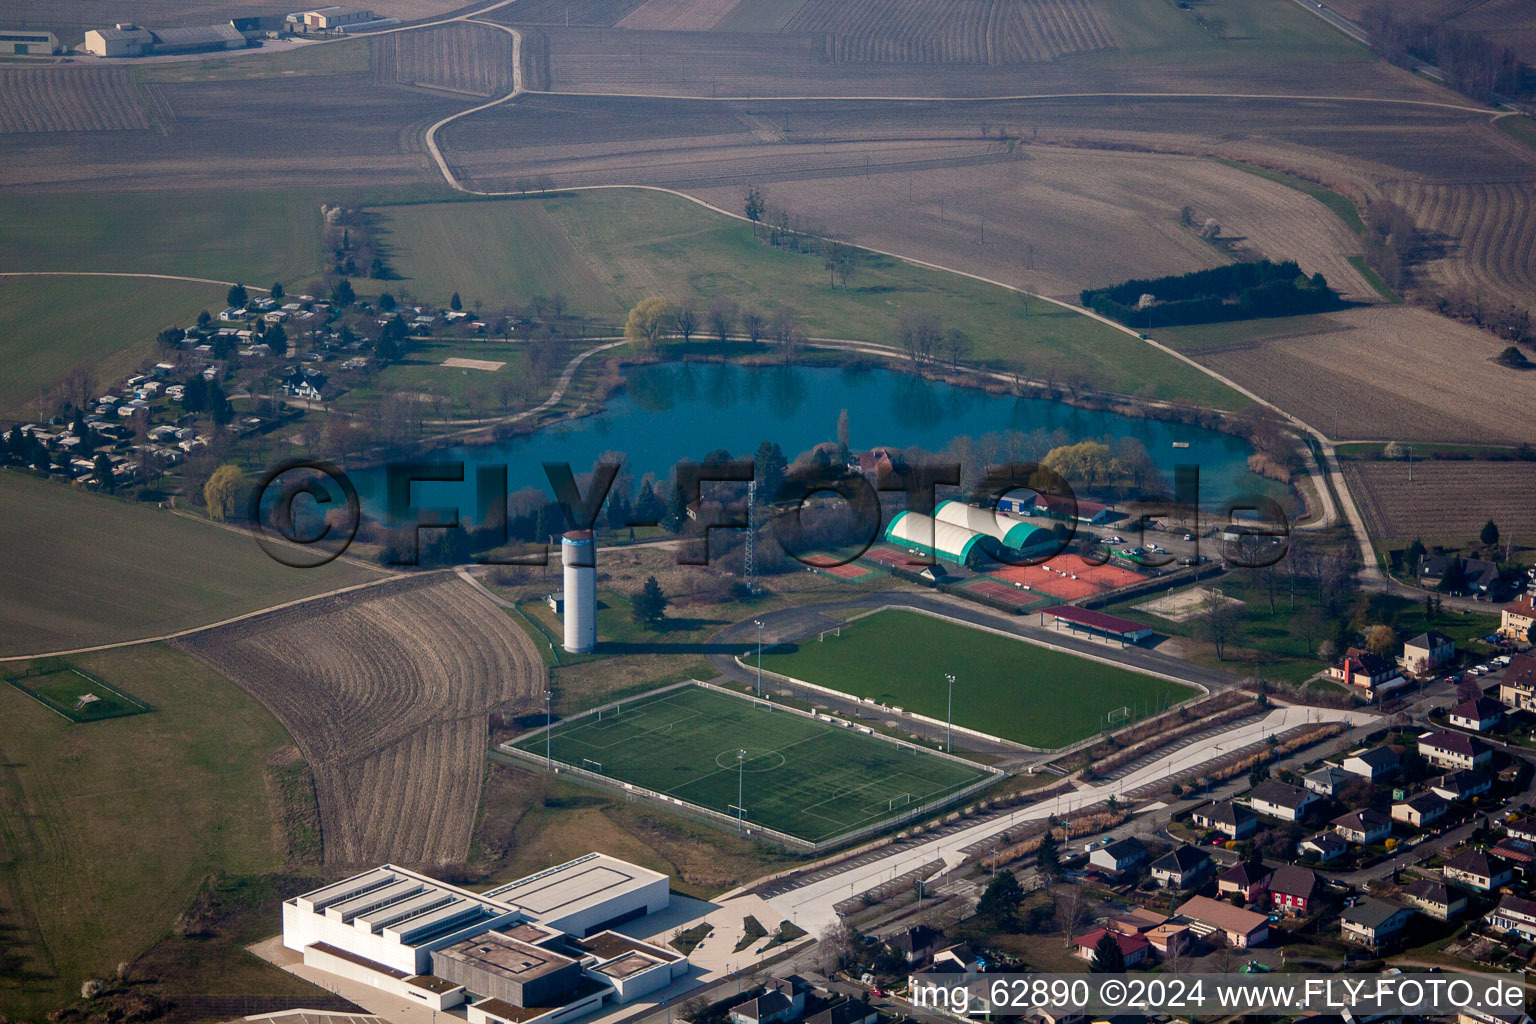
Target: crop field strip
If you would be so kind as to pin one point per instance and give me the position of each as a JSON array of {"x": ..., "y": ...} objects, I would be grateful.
[
  {"x": 953, "y": 31},
  {"x": 386, "y": 694},
  {"x": 679, "y": 15},
  {"x": 804, "y": 777},
  {"x": 69, "y": 100},
  {"x": 459, "y": 57},
  {"x": 1004, "y": 687},
  {"x": 1447, "y": 501}
]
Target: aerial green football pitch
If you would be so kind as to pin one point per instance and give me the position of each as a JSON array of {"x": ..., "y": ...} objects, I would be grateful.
[
  {"x": 800, "y": 776},
  {"x": 1017, "y": 690}
]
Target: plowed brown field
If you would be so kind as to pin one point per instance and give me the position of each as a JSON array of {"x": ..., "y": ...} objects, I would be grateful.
[
  {"x": 386, "y": 694},
  {"x": 953, "y": 31},
  {"x": 68, "y": 100},
  {"x": 1446, "y": 500},
  {"x": 459, "y": 57},
  {"x": 1483, "y": 237},
  {"x": 1386, "y": 373}
]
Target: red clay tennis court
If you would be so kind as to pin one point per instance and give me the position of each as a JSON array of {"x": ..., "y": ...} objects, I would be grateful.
[
  {"x": 851, "y": 571},
  {"x": 1056, "y": 577},
  {"x": 1002, "y": 592}
]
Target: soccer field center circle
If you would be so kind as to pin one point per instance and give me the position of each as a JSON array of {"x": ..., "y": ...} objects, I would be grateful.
[{"x": 758, "y": 759}]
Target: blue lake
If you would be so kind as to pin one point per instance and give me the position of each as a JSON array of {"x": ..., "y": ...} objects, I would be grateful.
[{"x": 668, "y": 412}]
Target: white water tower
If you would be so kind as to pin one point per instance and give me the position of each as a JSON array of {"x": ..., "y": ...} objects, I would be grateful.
[{"x": 578, "y": 554}]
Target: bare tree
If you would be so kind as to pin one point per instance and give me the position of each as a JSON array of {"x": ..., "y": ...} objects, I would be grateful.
[
  {"x": 1221, "y": 622},
  {"x": 686, "y": 318},
  {"x": 958, "y": 344},
  {"x": 785, "y": 331},
  {"x": 918, "y": 334},
  {"x": 752, "y": 322},
  {"x": 1070, "y": 910},
  {"x": 722, "y": 317}
]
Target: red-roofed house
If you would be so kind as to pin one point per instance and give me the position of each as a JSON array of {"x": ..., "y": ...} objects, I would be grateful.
[
  {"x": 1515, "y": 623},
  {"x": 1369, "y": 672},
  {"x": 1135, "y": 948}
]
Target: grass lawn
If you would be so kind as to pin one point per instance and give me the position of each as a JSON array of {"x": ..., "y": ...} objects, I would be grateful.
[
  {"x": 606, "y": 250},
  {"x": 807, "y": 778},
  {"x": 466, "y": 390},
  {"x": 254, "y": 237},
  {"x": 1191, "y": 338},
  {"x": 95, "y": 570},
  {"x": 341, "y": 57},
  {"x": 1006, "y": 687},
  {"x": 1521, "y": 129},
  {"x": 65, "y": 688},
  {"x": 1252, "y": 31},
  {"x": 50, "y": 325},
  {"x": 109, "y": 830}
]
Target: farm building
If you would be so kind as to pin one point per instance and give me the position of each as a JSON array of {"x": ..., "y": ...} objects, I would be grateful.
[
  {"x": 197, "y": 39},
  {"x": 27, "y": 42},
  {"x": 504, "y": 959},
  {"x": 334, "y": 18},
  {"x": 121, "y": 40}
]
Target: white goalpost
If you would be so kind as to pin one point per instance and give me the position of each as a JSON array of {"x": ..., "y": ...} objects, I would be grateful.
[{"x": 596, "y": 766}]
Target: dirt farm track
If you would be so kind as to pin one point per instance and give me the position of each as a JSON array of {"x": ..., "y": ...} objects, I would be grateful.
[{"x": 386, "y": 693}]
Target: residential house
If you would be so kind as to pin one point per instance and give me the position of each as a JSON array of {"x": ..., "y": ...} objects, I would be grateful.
[
  {"x": 956, "y": 959},
  {"x": 1520, "y": 854},
  {"x": 915, "y": 945},
  {"x": 1476, "y": 870},
  {"x": 849, "y": 1011},
  {"x": 1517, "y": 688},
  {"x": 1516, "y": 619},
  {"x": 1325, "y": 847},
  {"x": 1120, "y": 855},
  {"x": 1436, "y": 899},
  {"x": 1514, "y": 914},
  {"x": 1462, "y": 785},
  {"x": 1373, "y": 922},
  {"x": 783, "y": 999},
  {"x": 1366, "y": 671},
  {"x": 1135, "y": 948},
  {"x": 1136, "y": 921},
  {"x": 1250, "y": 878},
  {"x": 1372, "y": 765},
  {"x": 1420, "y": 810},
  {"x": 1232, "y": 820},
  {"x": 1363, "y": 826},
  {"x": 1327, "y": 780},
  {"x": 1434, "y": 570},
  {"x": 1278, "y": 800},
  {"x": 1241, "y": 928},
  {"x": 307, "y": 384},
  {"x": 1427, "y": 652},
  {"x": 1454, "y": 750},
  {"x": 1171, "y": 939},
  {"x": 1293, "y": 889},
  {"x": 1521, "y": 827},
  {"x": 1479, "y": 715},
  {"x": 1183, "y": 867}
]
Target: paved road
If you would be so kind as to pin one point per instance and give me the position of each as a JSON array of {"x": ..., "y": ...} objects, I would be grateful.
[{"x": 812, "y": 906}]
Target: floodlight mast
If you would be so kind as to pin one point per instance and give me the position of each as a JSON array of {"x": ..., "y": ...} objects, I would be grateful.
[
  {"x": 741, "y": 767},
  {"x": 549, "y": 721},
  {"x": 759, "y": 624},
  {"x": 949, "y": 717}
]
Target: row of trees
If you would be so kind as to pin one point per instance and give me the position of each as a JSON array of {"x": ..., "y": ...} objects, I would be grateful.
[
  {"x": 1472, "y": 64},
  {"x": 655, "y": 319}
]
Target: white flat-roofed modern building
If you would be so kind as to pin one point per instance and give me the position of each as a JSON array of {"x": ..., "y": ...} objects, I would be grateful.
[
  {"x": 390, "y": 915},
  {"x": 538, "y": 948},
  {"x": 586, "y": 895}
]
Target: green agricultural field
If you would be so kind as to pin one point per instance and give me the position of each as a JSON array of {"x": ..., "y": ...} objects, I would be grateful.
[
  {"x": 803, "y": 777},
  {"x": 1009, "y": 688},
  {"x": 87, "y": 569},
  {"x": 340, "y": 57},
  {"x": 77, "y": 696},
  {"x": 1224, "y": 31},
  {"x": 253, "y": 237},
  {"x": 109, "y": 830},
  {"x": 1521, "y": 129},
  {"x": 50, "y": 325},
  {"x": 604, "y": 250}
]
